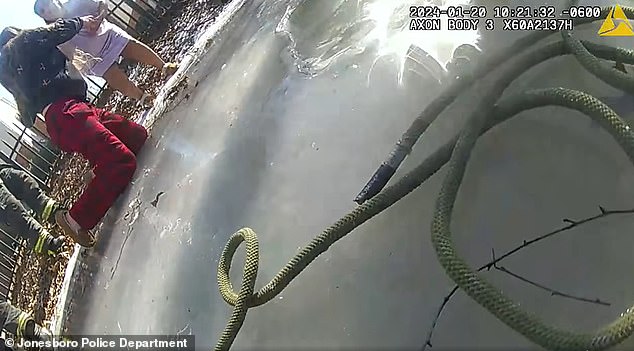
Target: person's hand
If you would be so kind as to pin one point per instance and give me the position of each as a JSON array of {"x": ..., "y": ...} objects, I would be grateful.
[
  {"x": 102, "y": 13},
  {"x": 91, "y": 24},
  {"x": 101, "y": 17}
]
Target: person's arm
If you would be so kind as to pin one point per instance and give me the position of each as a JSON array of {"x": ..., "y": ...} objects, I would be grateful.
[
  {"x": 56, "y": 33},
  {"x": 26, "y": 111},
  {"x": 27, "y": 114},
  {"x": 40, "y": 125}
]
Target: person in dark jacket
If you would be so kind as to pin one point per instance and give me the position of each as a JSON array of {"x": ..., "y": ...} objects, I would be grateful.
[
  {"x": 22, "y": 325},
  {"x": 36, "y": 73},
  {"x": 17, "y": 187}
]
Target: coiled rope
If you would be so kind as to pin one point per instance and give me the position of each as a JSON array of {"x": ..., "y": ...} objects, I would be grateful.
[{"x": 456, "y": 153}]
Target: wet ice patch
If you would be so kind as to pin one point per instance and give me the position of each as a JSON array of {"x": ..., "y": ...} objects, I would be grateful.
[
  {"x": 184, "y": 330},
  {"x": 131, "y": 216},
  {"x": 356, "y": 27},
  {"x": 394, "y": 38}
]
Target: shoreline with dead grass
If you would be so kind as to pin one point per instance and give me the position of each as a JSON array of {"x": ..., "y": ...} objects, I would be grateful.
[{"x": 43, "y": 284}]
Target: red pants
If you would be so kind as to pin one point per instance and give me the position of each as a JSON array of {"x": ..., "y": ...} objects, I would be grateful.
[{"x": 108, "y": 141}]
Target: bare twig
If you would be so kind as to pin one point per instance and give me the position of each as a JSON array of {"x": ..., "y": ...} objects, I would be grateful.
[
  {"x": 543, "y": 287},
  {"x": 551, "y": 291},
  {"x": 571, "y": 224}
]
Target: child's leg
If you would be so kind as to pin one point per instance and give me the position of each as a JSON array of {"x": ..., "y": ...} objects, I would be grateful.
[
  {"x": 118, "y": 80},
  {"x": 26, "y": 189},
  {"x": 131, "y": 134},
  {"x": 14, "y": 219},
  {"x": 76, "y": 127}
]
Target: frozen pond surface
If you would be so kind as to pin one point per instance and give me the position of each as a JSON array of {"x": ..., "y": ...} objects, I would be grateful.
[{"x": 281, "y": 138}]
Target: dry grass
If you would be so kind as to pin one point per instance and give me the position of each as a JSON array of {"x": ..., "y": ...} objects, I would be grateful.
[{"x": 39, "y": 279}]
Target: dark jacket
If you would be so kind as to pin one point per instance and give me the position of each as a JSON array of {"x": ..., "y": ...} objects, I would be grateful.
[{"x": 37, "y": 76}]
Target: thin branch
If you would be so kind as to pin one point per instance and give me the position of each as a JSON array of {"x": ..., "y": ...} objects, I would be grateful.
[
  {"x": 571, "y": 224},
  {"x": 552, "y": 291}
]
